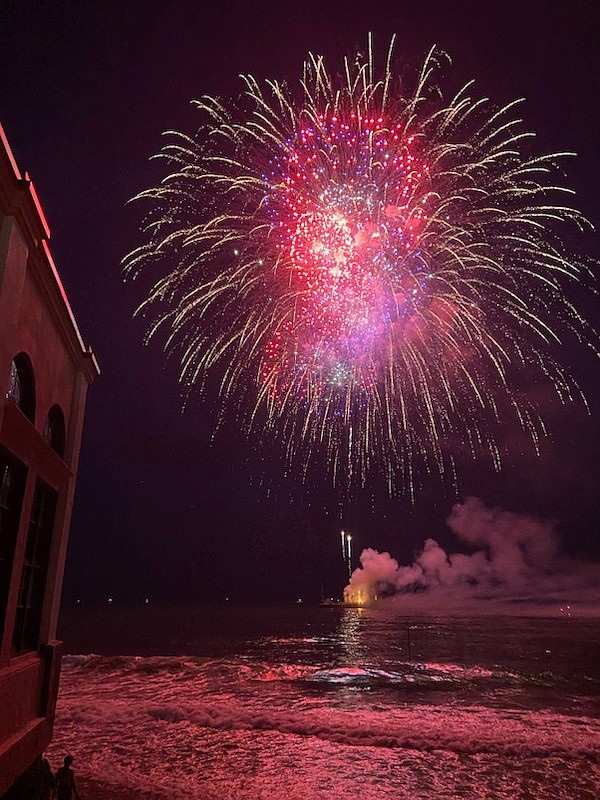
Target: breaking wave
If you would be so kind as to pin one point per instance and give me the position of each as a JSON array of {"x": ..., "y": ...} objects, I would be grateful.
[{"x": 161, "y": 688}]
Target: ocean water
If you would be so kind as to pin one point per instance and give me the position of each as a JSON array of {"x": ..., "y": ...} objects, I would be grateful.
[{"x": 295, "y": 703}]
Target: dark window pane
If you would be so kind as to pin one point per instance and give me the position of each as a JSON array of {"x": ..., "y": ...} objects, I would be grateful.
[
  {"x": 54, "y": 430},
  {"x": 35, "y": 569},
  {"x": 21, "y": 385},
  {"x": 14, "y": 384},
  {"x": 12, "y": 485}
]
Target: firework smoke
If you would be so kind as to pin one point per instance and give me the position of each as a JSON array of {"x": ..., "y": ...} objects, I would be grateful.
[
  {"x": 367, "y": 270},
  {"x": 516, "y": 560}
]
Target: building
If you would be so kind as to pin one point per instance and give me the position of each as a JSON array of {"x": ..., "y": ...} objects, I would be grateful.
[{"x": 45, "y": 371}]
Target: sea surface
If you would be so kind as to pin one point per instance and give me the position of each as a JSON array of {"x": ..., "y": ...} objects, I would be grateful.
[{"x": 301, "y": 702}]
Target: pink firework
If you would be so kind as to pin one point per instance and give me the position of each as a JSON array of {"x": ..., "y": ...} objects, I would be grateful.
[
  {"x": 347, "y": 206},
  {"x": 365, "y": 268}
]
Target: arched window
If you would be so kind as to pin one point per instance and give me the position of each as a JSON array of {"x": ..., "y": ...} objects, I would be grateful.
[
  {"x": 21, "y": 385},
  {"x": 54, "y": 430}
]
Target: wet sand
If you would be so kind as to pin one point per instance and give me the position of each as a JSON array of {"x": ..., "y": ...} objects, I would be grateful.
[{"x": 96, "y": 790}]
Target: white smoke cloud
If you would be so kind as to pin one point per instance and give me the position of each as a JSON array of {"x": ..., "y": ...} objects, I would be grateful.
[{"x": 516, "y": 561}]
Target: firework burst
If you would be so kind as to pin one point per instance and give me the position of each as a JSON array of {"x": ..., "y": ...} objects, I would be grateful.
[{"x": 371, "y": 266}]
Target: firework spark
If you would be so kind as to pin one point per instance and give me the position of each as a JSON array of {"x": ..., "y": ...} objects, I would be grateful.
[{"x": 371, "y": 266}]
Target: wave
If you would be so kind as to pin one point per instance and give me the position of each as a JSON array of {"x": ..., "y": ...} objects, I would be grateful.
[
  {"x": 94, "y": 661},
  {"x": 412, "y": 676},
  {"x": 432, "y": 675},
  {"x": 215, "y": 694},
  {"x": 474, "y": 730},
  {"x": 194, "y": 668},
  {"x": 265, "y": 671}
]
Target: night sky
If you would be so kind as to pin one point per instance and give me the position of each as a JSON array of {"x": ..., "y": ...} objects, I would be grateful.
[{"x": 86, "y": 89}]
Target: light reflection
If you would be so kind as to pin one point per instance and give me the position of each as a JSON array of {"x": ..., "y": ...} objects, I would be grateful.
[{"x": 348, "y": 636}]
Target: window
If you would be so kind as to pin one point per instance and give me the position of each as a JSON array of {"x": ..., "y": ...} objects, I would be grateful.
[
  {"x": 35, "y": 570},
  {"x": 21, "y": 385},
  {"x": 54, "y": 430},
  {"x": 14, "y": 384},
  {"x": 12, "y": 485}
]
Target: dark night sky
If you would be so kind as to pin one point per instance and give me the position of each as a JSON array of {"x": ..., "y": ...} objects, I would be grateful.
[{"x": 86, "y": 88}]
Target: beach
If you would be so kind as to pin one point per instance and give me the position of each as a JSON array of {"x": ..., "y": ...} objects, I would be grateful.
[{"x": 291, "y": 703}]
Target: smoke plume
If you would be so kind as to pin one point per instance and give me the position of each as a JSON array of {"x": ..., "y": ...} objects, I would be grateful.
[{"x": 515, "y": 561}]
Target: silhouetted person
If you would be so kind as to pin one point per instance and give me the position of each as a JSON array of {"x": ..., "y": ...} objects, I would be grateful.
[
  {"x": 65, "y": 782},
  {"x": 47, "y": 779}
]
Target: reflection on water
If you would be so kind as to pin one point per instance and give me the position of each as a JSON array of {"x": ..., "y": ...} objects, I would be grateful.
[{"x": 348, "y": 637}]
